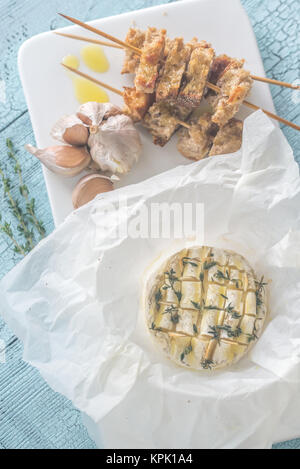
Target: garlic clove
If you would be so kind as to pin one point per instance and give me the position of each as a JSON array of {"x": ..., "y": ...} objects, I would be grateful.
[
  {"x": 85, "y": 119},
  {"x": 89, "y": 187},
  {"x": 64, "y": 160},
  {"x": 71, "y": 130},
  {"x": 77, "y": 135}
]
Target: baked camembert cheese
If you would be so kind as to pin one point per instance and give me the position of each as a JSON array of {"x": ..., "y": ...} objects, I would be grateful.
[{"x": 205, "y": 307}]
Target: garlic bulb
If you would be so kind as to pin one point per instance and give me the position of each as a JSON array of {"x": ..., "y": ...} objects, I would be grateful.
[
  {"x": 64, "y": 160},
  {"x": 89, "y": 187},
  {"x": 71, "y": 130},
  {"x": 117, "y": 145}
]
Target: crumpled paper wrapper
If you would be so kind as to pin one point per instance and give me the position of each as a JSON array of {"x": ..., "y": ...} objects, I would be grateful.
[{"x": 75, "y": 302}]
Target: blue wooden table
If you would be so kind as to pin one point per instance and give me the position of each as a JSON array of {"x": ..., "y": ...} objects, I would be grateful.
[{"x": 31, "y": 414}]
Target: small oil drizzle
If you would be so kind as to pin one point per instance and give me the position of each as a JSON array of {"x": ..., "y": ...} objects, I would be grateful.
[
  {"x": 87, "y": 91},
  {"x": 95, "y": 58},
  {"x": 71, "y": 61}
]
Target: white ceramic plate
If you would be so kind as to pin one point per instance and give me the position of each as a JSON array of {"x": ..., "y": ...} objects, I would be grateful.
[{"x": 49, "y": 92}]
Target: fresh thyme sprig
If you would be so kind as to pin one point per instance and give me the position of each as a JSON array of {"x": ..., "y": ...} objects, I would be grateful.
[
  {"x": 6, "y": 229},
  {"x": 155, "y": 328},
  {"x": 226, "y": 277},
  {"x": 27, "y": 221},
  {"x": 158, "y": 297},
  {"x": 173, "y": 311},
  {"x": 18, "y": 213},
  {"x": 172, "y": 279},
  {"x": 231, "y": 333},
  {"x": 186, "y": 352},
  {"x": 260, "y": 288},
  {"x": 209, "y": 265},
  {"x": 230, "y": 310},
  {"x": 207, "y": 364},
  {"x": 196, "y": 305},
  {"x": 188, "y": 260},
  {"x": 30, "y": 203}
]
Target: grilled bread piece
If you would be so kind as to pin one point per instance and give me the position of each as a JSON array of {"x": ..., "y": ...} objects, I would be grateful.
[
  {"x": 135, "y": 37},
  {"x": 218, "y": 67},
  {"x": 137, "y": 103},
  {"x": 162, "y": 121},
  {"x": 172, "y": 73},
  {"x": 235, "y": 83},
  {"x": 228, "y": 139},
  {"x": 196, "y": 142},
  {"x": 196, "y": 75},
  {"x": 205, "y": 307},
  {"x": 150, "y": 61},
  {"x": 204, "y": 138}
]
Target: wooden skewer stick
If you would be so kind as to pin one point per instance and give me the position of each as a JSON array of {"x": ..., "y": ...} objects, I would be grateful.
[
  {"x": 88, "y": 77},
  {"x": 273, "y": 116},
  {"x": 276, "y": 82},
  {"x": 184, "y": 124},
  {"x": 139, "y": 52},
  {"x": 88, "y": 39},
  {"x": 101, "y": 33}
]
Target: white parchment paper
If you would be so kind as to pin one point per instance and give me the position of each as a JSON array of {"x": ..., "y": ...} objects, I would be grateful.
[{"x": 75, "y": 302}]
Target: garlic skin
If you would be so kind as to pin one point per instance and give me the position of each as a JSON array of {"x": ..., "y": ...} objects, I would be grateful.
[
  {"x": 89, "y": 187},
  {"x": 70, "y": 130},
  {"x": 92, "y": 114},
  {"x": 117, "y": 145},
  {"x": 62, "y": 159}
]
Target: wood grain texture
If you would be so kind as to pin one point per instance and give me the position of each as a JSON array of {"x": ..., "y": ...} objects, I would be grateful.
[{"x": 31, "y": 414}]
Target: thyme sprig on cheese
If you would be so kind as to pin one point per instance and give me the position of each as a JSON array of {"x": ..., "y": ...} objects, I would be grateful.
[
  {"x": 188, "y": 260},
  {"x": 172, "y": 279},
  {"x": 215, "y": 331},
  {"x": 260, "y": 289},
  {"x": 155, "y": 328},
  {"x": 207, "y": 364},
  {"x": 219, "y": 275},
  {"x": 158, "y": 297},
  {"x": 230, "y": 310},
  {"x": 173, "y": 311},
  {"x": 209, "y": 265},
  {"x": 186, "y": 352}
]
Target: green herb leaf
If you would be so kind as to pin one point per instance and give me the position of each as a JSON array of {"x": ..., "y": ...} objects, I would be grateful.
[{"x": 209, "y": 265}]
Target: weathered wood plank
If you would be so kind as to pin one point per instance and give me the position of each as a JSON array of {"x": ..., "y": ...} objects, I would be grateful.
[
  {"x": 31, "y": 414},
  {"x": 276, "y": 27}
]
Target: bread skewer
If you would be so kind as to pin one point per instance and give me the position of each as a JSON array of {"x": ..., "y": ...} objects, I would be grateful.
[
  {"x": 138, "y": 51},
  {"x": 209, "y": 85}
]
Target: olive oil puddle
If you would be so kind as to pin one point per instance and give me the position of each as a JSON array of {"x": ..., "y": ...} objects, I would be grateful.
[{"x": 95, "y": 59}]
